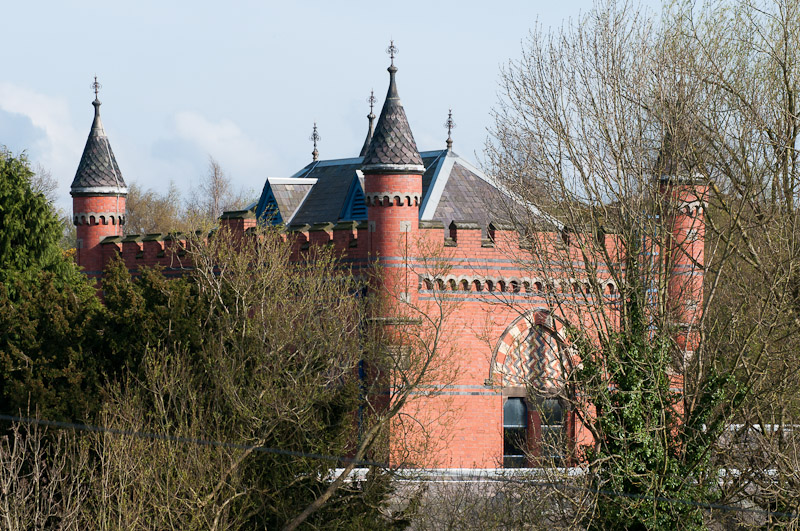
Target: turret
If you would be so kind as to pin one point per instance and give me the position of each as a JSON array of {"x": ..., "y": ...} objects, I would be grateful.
[
  {"x": 371, "y": 128},
  {"x": 393, "y": 188},
  {"x": 98, "y": 196},
  {"x": 684, "y": 198}
]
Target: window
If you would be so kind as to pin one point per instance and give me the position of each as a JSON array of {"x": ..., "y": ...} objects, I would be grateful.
[
  {"x": 553, "y": 442},
  {"x": 515, "y": 428}
]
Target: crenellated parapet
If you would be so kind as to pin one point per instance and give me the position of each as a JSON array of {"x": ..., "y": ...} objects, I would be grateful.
[
  {"x": 170, "y": 250},
  {"x": 109, "y": 217},
  {"x": 383, "y": 198},
  {"x": 166, "y": 250}
]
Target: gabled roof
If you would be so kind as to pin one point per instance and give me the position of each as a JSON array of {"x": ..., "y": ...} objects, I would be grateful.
[
  {"x": 326, "y": 199},
  {"x": 98, "y": 172},
  {"x": 392, "y": 147},
  {"x": 281, "y": 197},
  {"x": 461, "y": 192},
  {"x": 452, "y": 190}
]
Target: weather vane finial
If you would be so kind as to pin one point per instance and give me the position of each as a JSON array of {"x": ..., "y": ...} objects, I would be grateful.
[
  {"x": 371, "y": 100},
  {"x": 315, "y": 138},
  {"x": 392, "y": 50},
  {"x": 450, "y": 125},
  {"x": 96, "y": 87}
]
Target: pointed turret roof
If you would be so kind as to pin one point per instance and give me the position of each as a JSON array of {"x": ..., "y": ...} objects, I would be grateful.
[
  {"x": 371, "y": 130},
  {"x": 98, "y": 172},
  {"x": 680, "y": 154},
  {"x": 392, "y": 148},
  {"x": 676, "y": 159}
]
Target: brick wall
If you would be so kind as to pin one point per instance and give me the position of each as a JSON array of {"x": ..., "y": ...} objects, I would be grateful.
[{"x": 480, "y": 282}]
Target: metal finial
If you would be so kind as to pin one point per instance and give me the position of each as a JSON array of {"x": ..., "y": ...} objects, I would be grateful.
[
  {"x": 371, "y": 100},
  {"x": 96, "y": 87},
  {"x": 315, "y": 138},
  {"x": 450, "y": 125},
  {"x": 392, "y": 50}
]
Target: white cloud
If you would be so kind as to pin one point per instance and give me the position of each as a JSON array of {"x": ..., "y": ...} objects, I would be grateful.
[
  {"x": 63, "y": 142},
  {"x": 60, "y": 149},
  {"x": 238, "y": 154}
]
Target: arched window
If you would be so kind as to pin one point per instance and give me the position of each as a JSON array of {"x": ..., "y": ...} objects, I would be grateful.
[
  {"x": 515, "y": 433},
  {"x": 531, "y": 359}
]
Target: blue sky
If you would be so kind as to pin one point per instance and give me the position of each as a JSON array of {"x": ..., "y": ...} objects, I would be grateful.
[{"x": 245, "y": 81}]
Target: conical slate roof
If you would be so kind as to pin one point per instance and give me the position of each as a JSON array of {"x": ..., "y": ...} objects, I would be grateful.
[
  {"x": 98, "y": 172},
  {"x": 677, "y": 158},
  {"x": 392, "y": 148},
  {"x": 368, "y": 140}
]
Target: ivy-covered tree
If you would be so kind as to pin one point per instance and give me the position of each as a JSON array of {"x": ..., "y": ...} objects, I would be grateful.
[{"x": 657, "y": 147}]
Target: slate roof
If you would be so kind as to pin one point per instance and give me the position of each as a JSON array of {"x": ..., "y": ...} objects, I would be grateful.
[
  {"x": 326, "y": 200},
  {"x": 290, "y": 196},
  {"x": 368, "y": 140},
  {"x": 98, "y": 171},
  {"x": 467, "y": 197},
  {"x": 452, "y": 190},
  {"x": 392, "y": 146},
  {"x": 281, "y": 197}
]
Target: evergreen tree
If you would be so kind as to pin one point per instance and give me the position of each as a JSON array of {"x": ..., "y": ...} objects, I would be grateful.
[
  {"x": 30, "y": 231},
  {"x": 48, "y": 340}
]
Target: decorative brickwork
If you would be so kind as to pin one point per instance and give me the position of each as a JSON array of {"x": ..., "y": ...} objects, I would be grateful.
[{"x": 500, "y": 328}]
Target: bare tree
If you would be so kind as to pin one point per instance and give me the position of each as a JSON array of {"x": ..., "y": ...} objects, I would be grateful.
[
  {"x": 147, "y": 211},
  {"x": 44, "y": 183},
  {"x": 333, "y": 388},
  {"x": 215, "y": 194},
  {"x": 42, "y": 479},
  {"x": 626, "y": 139}
]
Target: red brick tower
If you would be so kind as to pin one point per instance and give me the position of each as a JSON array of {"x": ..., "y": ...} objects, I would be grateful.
[
  {"x": 393, "y": 188},
  {"x": 684, "y": 199},
  {"x": 98, "y": 196}
]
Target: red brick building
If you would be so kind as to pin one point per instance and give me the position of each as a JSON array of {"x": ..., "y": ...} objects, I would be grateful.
[{"x": 397, "y": 207}]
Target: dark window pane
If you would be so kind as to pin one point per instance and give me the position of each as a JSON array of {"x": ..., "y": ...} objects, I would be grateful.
[
  {"x": 514, "y": 443},
  {"x": 553, "y": 443},
  {"x": 515, "y": 414},
  {"x": 552, "y": 414}
]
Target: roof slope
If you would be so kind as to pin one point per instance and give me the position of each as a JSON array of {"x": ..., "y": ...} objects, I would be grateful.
[
  {"x": 327, "y": 197},
  {"x": 281, "y": 198},
  {"x": 98, "y": 172},
  {"x": 452, "y": 190},
  {"x": 467, "y": 197}
]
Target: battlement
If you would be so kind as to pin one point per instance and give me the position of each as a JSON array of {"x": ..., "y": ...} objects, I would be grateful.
[{"x": 484, "y": 260}]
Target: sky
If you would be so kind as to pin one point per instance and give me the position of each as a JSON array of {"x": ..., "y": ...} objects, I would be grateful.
[{"x": 244, "y": 82}]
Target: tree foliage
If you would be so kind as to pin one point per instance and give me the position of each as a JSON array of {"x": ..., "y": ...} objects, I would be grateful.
[
  {"x": 148, "y": 211},
  {"x": 30, "y": 231},
  {"x": 48, "y": 342}
]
